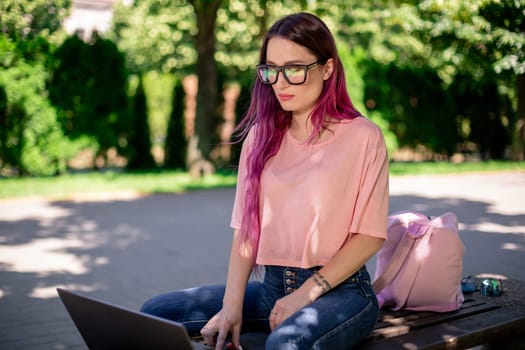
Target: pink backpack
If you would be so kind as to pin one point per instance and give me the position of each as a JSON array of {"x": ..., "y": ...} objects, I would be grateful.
[{"x": 420, "y": 265}]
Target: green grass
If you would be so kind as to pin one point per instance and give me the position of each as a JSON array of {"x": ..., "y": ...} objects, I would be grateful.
[
  {"x": 65, "y": 186},
  {"x": 110, "y": 181},
  {"x": 429, "y": 168}
]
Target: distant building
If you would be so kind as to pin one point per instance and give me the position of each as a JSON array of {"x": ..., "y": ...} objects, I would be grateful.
[{"x": 89, "y": 16}]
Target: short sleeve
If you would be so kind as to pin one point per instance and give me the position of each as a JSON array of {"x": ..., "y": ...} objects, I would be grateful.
[
  {"x": 238, "y": 204},
  {"x": 370, "y": 215}
]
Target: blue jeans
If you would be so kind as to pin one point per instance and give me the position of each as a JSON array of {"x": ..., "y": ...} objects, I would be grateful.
[{"x": 340, "y": 319}]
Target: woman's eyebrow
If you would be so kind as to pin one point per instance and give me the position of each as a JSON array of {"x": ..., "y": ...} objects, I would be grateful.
[{"x": 287, "y": 63}]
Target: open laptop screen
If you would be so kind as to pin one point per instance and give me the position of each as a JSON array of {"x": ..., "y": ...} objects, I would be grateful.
[{"x": 108, "y": 327}]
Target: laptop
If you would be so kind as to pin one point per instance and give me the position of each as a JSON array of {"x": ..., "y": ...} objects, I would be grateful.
[{"x": 109, "y": 327}]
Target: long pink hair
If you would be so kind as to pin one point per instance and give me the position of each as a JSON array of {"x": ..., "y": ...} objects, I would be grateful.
[{"x": 271, "y": 121}]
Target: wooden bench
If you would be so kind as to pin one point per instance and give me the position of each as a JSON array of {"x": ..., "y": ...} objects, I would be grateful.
[{"x": 476, "y": 323}]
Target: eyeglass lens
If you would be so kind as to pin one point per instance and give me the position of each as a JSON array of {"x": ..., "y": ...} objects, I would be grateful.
[{"x": 292, "y": 74}]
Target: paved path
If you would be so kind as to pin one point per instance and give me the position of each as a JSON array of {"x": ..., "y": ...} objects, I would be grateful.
[{"x": 125, "y": 249}]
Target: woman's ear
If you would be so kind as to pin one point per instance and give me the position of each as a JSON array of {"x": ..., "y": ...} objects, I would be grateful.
[{"x": 328, "y": 69}]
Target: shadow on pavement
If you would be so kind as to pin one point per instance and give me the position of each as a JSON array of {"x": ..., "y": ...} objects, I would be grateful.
[{"x": 125, "y": 251}]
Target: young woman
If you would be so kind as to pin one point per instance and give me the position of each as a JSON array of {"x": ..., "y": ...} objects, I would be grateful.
[{"x": 311, "y": 207}]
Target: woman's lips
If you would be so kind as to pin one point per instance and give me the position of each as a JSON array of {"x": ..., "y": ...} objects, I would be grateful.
[{"x": 285, "y": 97}]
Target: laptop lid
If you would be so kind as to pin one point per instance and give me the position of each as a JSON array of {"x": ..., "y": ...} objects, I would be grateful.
[{"x": 105, "y": 326}]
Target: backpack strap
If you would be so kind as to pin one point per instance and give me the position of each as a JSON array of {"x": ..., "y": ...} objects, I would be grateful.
[
  {"x": 399, "y": 257},
  {"x": 411, "y": 271}
]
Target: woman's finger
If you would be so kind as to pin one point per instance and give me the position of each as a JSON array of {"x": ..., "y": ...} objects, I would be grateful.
[
  {"x": 236, "y": 336},
  {"x": 208, "y": 334},
  {"x": 221, "y": 338},
  {"x": 274, "y": 319}
]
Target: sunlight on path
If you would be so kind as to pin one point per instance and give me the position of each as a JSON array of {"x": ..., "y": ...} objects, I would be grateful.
[{"x": 45, "y": 256}]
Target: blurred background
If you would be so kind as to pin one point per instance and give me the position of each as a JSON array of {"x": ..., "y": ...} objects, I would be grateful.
[{"x": 161, "y": 84}]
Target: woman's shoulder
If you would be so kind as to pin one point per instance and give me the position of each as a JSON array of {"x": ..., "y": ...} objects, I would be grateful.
[
  {"x": 360, "y": 127},
  {"x": 360, "y": 135},
  {"x": 250, "y": 135}
]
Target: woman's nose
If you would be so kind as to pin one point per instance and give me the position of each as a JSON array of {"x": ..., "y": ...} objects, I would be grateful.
[{"x": 281, "y": 80}]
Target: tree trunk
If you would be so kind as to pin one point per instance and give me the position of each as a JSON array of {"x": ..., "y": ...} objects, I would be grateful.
[
  {"x": 518, "y": 140},
  {"x": 201, "y": 142}
]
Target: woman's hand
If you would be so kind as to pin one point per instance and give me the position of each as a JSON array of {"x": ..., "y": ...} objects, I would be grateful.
[
  {"x": 229, "y": 318},
  {"x": 215, "y": 332},
  {"x": 290, "y": 304}
]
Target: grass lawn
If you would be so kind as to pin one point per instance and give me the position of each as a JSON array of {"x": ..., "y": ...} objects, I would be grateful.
[{"x": 65, "y": 186}]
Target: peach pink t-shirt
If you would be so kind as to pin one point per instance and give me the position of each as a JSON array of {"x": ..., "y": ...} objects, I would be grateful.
[{"x": 314, "y": 197}]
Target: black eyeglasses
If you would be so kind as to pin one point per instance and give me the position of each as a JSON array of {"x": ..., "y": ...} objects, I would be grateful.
[{"x": 295, "y": 74}]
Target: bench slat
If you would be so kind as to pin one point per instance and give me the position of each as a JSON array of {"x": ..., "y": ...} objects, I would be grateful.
[
  {"x": 397, "y": 323},
  {"x": 461, "y": 333}
]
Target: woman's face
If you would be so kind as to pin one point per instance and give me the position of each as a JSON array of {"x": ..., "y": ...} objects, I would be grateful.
[{"x": 298, "y": 99}]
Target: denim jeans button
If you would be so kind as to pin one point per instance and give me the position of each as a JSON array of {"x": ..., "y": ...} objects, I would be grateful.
[
  {"x": 288, "y": 281},
  {"x": 290, "y": 290}
]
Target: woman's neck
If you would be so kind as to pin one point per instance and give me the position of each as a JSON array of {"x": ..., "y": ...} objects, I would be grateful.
[{"x": 301, "y": 127}]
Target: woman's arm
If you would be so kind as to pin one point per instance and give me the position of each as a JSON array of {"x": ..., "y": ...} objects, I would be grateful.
[
  {"x": 239, "y": 270},
  {"x": 229, "y": 319},
  {"x": 350, "y": 258}
]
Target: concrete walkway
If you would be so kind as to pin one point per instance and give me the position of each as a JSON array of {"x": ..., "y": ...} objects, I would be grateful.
[{"x": 126, "y": 248}]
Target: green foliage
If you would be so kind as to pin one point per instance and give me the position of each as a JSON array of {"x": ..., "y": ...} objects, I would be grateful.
[
  {"x": 477, "y": 41},
  {"x": 158, "y": 89},
  {"x": 354, "y": 62},
  {"x": 439, "y": 73},
  {"x": 11, "y": 130},
  {"x": 88, "y": 88},
  {"x": 158, "y": 34},
  {"x": 22, "y": 20},
  {"x": 482, "y": 41},
  {"x": 477, "y": 35},
  {"x": 241, "y": 26},
  {"x": 419, "y": 111},
  {"x": 32, "y": 141},
  {"x": 479, "y": 105},
  {"x": 155, "y": 34}
]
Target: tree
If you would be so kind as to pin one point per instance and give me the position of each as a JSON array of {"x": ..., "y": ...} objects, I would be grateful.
[
  {"x": 200, "y": 144},
  {"x": 419, "y": 111},
  {"x": 479, "y": 40},
  {"x": 387, "y": 73},
  {"x": 32, "y": 142},
  {"x": 507, "y": 19},
  {"x": 156, "y": 35},
  {"x": 483, "y": 39},
  {"x": 480, "y": 106},
  {"x": 11, "y": 123},
  {"x": 139, "y": 156},
  {"x": 24, "y": 20},
  {"x": 175, "y": 146},
  {"x": 417, "y": 41},
  {"x": 167, "y": 35},
  {"x": 88, "y": 88}
]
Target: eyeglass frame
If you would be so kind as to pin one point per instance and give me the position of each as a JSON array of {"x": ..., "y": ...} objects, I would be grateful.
[{"x": 279, "y": 69}]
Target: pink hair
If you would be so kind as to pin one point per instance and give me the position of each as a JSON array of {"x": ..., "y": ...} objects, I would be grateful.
[{"x": 271, "y": 121}]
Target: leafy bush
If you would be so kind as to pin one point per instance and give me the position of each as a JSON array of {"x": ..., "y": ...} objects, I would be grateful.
[
  {"x": 31, "y": 141},
  {"x": 88, "y": 88}
]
